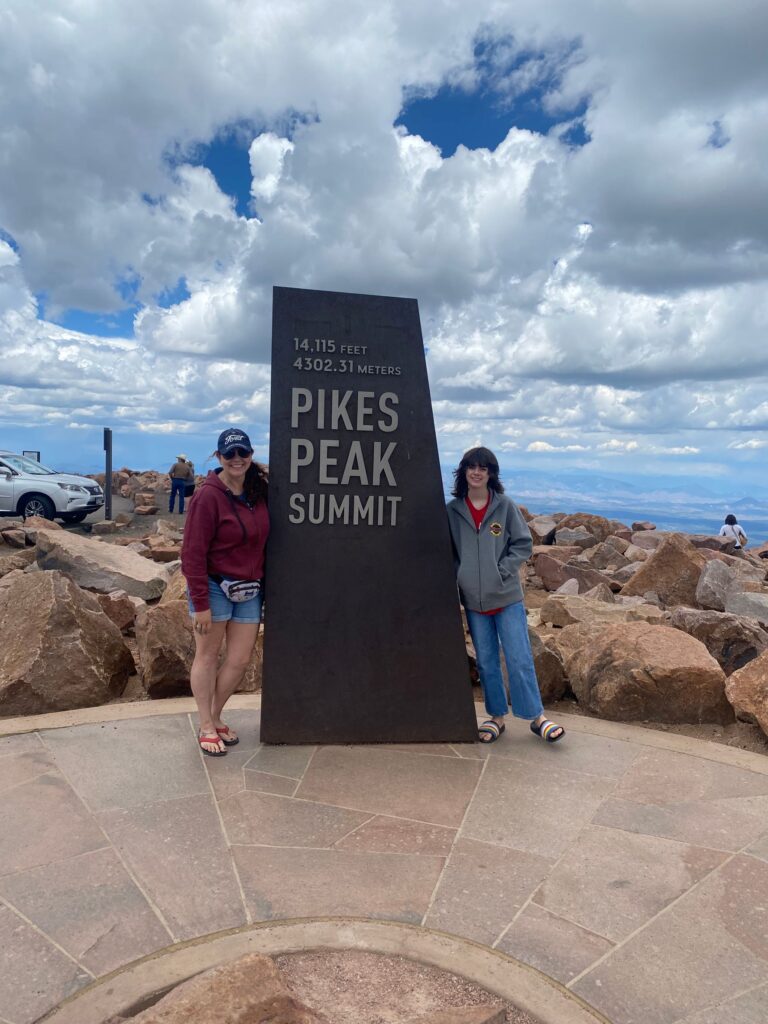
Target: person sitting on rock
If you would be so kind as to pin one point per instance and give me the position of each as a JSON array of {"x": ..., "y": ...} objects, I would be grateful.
[
  {"x": 491, "y": 541},
  {"x": 732, "y": 530},
  {"x": 222, "y": 559},
  {"x": 180, "y": 474}
]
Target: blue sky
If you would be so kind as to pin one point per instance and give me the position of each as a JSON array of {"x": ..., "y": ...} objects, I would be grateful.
[{"x": 576, "y": 193}]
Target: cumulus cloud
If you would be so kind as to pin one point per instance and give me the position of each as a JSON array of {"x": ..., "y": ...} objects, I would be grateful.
[
  {"x": 676, "y": 450},
  {"x": 616, "y": 447},
  {"x": 753, "y": 444},
  {"x": 267, "y": 155},
  {"x": 545, "y": 446},
  {"x": 613, "y": 290}
]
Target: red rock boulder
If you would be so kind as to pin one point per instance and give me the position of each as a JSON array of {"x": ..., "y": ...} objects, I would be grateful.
[
  {"x": 600, "y": 527},
  {"x": 636, "y": 671},
  {"x": 553, "y": 574},
  {"x": 747, "y": 690},
  {"x": 166, "y": 647},
  {"x": 732, "y": 641},
  {"x": 58, "y": 649},
  {"x": 548, "y": 662},
  {"x": 249, "y": 991},
  {"x": 672, "y": 572}
]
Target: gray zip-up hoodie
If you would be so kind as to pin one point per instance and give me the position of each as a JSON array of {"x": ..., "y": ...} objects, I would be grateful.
[{"x": 488, "y": 560}]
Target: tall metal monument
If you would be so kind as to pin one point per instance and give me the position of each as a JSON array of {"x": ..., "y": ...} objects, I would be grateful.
[{"x": 363, "y": 640}]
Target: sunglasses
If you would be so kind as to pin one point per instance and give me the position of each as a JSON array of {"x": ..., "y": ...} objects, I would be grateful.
[{"x": 242, "y": 453}]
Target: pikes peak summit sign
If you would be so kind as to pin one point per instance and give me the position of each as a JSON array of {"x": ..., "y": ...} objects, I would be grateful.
[{"x": 364, "y": 641}]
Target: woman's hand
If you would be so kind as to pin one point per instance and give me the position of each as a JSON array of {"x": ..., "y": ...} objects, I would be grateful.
[{"x": 202, "y": 622}]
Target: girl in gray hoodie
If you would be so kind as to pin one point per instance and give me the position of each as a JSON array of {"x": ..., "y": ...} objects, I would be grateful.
[{"x": 490, "y": 542}]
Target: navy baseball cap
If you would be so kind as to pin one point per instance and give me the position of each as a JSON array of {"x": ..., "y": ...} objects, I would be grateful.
[{"x": 231, "y": 439}]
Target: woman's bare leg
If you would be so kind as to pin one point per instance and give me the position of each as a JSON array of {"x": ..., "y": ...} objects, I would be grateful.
[
  {"x": 241, "y": 638},
  {"x": 202, "y": 677}
]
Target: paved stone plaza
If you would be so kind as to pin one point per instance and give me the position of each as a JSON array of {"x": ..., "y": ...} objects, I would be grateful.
[{"x": 630, "y": 866}]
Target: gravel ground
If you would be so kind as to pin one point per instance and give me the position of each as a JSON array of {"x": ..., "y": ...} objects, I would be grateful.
[{"x": 351, "y": 987}]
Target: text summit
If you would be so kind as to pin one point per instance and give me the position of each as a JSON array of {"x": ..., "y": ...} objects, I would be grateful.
[{"x": 366, "y": 462}]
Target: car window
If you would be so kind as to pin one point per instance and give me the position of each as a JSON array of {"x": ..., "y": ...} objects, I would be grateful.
[{"x": 22, "y": 465}]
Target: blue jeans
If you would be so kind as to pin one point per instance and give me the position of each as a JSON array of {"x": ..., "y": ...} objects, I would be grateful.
[
  {"x": 510, "y": 629},
  {"x": 177, "y": 487}
]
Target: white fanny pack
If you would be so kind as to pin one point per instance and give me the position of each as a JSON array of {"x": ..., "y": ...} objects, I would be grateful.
[{"x": 239, "y": 590}]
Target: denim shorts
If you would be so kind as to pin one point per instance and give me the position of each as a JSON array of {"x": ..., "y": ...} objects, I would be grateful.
[{"x": 224, "y": 610}]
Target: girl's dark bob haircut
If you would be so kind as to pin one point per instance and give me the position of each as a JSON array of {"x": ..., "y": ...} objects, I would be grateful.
[
  {"x": 484, "y": 458},
  {"x": 730, "y": 519}
]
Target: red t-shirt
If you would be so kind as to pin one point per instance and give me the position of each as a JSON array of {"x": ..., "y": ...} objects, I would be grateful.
[
  {"x": 477, "y": 516},
  {"x": 478, "y": 513}
]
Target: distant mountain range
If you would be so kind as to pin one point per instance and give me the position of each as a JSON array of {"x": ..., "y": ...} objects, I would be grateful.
[
  {"x": 686, "y": 505},
  {"x": 690, "y": 507},
  {"x": 692, "y": 510}
]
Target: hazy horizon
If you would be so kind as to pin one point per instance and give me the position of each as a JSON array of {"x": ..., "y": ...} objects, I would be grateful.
[{"x": 691, "y": 506}]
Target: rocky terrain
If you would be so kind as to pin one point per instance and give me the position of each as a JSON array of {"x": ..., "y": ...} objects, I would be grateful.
[
  {"x": 318, "y": 987},
  {"x": 92, "y": 617},
  {"x": 635, "y": 624},
  {"x": 627, "y": 623}
]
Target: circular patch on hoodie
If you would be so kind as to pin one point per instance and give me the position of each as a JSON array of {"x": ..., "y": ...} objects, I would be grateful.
[{"x": 495, "y": 529}]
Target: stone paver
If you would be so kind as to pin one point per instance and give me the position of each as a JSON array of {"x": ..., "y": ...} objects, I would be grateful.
[
  {"x": 160, "y": 762},
  {"x": 258, "y": 818},
  {"x": 539, "y": 812},
  {"x": 551, "y": 944},
  {"x": 592, "y": 755},
  {"x": 647, "y": 780},
  {"x": 226, "y": 774},
  {"x": 24, "y": 766},
  {"x": 178, "y": 853},
  {"x": 482, "y": 889},
  {"x": 635, "y": 875},
  {"x": 335, "y": 883},
  {"x": 720, "y": 824},
  {"x": 611, "y": 882},
  {"x": 381, "y": 781},
  {"x": 49, "y": 824},
  {"x": 760, "y": 848},
  {"x": 91, "y": 907},
  {"x": 35, "y": 975},
  {"x": 394, "y": 835},
  {"x": 290, "y": 762},
  {"x": 246, "y": 723},
  {"x": 715, "y": 943},
  {"x": 748, "y": 1008},
  {"x": 19, "y": 744},
  {"x": 263, "y": 782}
]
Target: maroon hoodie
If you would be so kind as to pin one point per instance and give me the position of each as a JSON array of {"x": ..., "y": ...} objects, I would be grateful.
[{"x": 223, "y": 537}]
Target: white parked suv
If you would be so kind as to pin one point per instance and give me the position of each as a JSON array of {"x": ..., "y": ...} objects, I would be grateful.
[{"x": 27, "y": 488}]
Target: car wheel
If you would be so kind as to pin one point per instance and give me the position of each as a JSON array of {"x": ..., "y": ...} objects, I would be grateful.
[
  {"x": 36, "y": 505},
  {"x": 73, "y": 517}
]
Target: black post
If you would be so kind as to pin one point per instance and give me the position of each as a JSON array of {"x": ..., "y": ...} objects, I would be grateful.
[{"x": 108, "y": 473}]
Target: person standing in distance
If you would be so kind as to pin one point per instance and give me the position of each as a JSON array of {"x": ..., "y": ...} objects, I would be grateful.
[
  {"x": 180, "y": 475},
  {"x": 222, "y": 559},
  {"x": 189, "y": 486},
  {"x": 490, "y": 542}
]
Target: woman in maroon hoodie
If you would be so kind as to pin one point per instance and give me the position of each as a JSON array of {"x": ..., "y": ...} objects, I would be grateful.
[{"x": 222, "y": 559}]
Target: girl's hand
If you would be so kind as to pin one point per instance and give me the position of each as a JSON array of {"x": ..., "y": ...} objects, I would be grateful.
[{"x": 202, "y": 622}]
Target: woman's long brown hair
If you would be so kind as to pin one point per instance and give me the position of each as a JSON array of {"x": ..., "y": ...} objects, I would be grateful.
[{"x": 255, "y": 483}]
